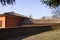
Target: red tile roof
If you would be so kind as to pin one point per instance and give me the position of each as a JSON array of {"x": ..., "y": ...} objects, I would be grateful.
[
  {"x": 13, "y": 14},
  {"x": 40, "y": 21}
]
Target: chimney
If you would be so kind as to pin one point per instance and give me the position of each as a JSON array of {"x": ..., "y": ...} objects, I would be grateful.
[{"x": 30, "y": 16}]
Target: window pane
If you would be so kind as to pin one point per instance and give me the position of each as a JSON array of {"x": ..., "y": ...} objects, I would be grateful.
[{"x": 0, "y": 23}]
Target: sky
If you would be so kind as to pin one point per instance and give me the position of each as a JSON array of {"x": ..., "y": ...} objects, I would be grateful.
[{"x": 28, "y": 7}]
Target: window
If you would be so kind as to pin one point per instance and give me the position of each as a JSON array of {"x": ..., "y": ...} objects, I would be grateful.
[{"x": 0, "y": 23}]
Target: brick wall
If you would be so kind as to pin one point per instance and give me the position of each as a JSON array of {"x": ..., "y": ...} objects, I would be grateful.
[
  {"x": 13, "y": 21},
  {"x": 2, "y": 19},
  {"x": 9, "y": 32}
]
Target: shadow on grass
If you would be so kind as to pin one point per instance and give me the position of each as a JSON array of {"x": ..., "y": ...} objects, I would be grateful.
[{"x": 29, "y": 31}]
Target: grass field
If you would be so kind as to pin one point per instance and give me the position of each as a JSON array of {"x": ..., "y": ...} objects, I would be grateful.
[{"x": 49, "y": 35}]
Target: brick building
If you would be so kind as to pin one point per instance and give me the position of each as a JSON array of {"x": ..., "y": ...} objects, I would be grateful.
[
  {"x": 14, "y": 20},
  {"x": 11, "y": 20}
]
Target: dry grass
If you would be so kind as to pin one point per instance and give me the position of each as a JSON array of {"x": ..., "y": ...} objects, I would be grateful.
[{"x": 50, "y": 35}]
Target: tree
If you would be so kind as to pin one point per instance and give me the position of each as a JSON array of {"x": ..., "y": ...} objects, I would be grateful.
[
  {"x": 44, "y": 17},
  {"x": 56, "y": 13},
  {"x": 51, "y": 3},
  {"x": 7, "y": 2}
]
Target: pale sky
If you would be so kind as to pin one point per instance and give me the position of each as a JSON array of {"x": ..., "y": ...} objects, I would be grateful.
[{"x": 28, "y": 7}]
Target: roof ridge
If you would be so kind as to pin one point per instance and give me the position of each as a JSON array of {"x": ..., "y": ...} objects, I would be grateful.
[{"x": 16, "y": 14}]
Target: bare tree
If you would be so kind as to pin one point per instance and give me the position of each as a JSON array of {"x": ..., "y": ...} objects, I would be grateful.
[{"x": 56, "y": 13}]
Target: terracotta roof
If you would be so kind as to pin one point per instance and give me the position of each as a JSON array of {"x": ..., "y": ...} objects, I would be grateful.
[
  {"x": 40, "y": 21},
  {"x": 13, "y": 14}
]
